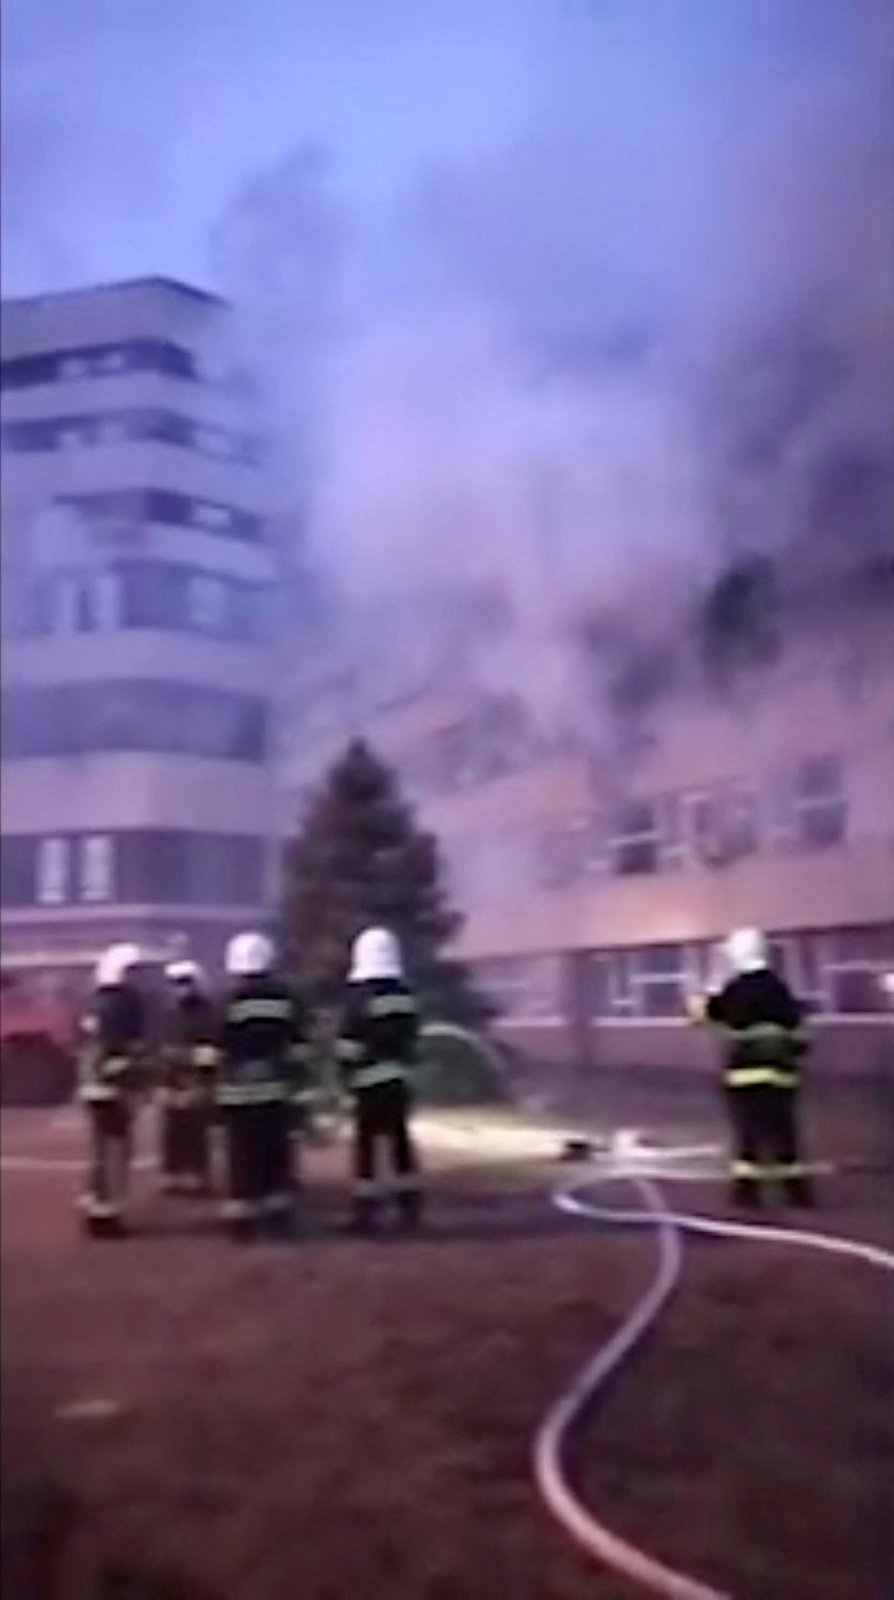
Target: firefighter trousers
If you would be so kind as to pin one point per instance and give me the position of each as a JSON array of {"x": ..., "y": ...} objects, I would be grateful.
[
  {"x": 186, "y": 1146},
  {"x": 766, "y": 1141},
  {"x": 381, "y": 1124},
  {"x": 110, "y": 1124},
  {"x": 260, "y": 1181}
]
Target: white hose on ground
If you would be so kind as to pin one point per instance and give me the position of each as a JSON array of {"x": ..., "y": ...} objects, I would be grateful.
[{"x": 590, "y": 1535}]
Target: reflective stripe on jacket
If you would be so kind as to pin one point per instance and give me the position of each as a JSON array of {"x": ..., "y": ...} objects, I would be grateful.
[
  {"x": 378, "y": 1072},
  {"x": 379, "y": 1033},
  {"x": 108, "y": 1078},
  {"x": 761, "y": 1021}
]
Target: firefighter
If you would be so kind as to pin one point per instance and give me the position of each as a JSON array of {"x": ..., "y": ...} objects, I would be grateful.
[
  {"x": 188, "y": 1064},
  {"x": 761, "y": 1020},
  {"x": 115, "y": 1029},
  {"x": 377, "y": 1049},
  {"x": 262, "y": 1077}
]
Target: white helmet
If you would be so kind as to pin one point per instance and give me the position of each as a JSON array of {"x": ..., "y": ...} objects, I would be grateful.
[
  {"x": 746, "y": 950},
  {"x": 376, "y": 954},
  {"x": 114, "y": 964},
  {"x": 184, "y": 972},
  {"x": 249, "y": 955}
]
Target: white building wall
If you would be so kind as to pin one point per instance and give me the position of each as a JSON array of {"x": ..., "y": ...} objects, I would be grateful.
[{"x": 115, "y": 794}]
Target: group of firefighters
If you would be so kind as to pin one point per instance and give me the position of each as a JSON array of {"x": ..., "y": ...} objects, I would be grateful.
[{"x": 243, "y": 1061}]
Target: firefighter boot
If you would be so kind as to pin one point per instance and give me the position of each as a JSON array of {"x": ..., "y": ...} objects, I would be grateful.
[
  {"x": 100, "y": 1220},
  {"x": 409, "y": 1205},
  {"x": 363, "y": 1213},
  {"x": 240, "y": 1218},
  {"x": 746, "y": 1194},
  {"x": 278, "y": 1215},
  {"x": 798, "y": 1191}
]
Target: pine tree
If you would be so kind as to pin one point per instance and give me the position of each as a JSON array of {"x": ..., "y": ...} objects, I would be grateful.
[{"x": 360, "y": 858}]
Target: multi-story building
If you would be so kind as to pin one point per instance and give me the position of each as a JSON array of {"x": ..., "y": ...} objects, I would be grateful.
[
  {"x": 137, "y": 797},
  {"x": 598, "y": 887}
]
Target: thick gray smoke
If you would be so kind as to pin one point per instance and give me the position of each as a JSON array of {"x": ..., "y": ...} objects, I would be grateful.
[{"x": 528, "y": 409}]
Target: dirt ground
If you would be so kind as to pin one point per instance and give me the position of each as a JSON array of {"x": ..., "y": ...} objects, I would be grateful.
[{"x": 330, "y": 1417}]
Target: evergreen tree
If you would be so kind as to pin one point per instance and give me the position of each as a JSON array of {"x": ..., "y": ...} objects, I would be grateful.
[{"x": 360, "y": 858}]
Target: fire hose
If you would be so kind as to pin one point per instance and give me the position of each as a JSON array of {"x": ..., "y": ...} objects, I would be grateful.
[{"x": 590, "y": 1535}]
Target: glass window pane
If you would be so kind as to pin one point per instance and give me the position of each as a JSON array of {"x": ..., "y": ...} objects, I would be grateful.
[
  {"x": 105, "y": 601},
  {"x": 636, "y": 819},
  {"x": 52, "y": 871},
  {"x": 857, "y": 990},
  {"x": 639, "y": 855},
  {"x": 821, "y": 825},
  {"x": 96, "y": 868},
  {"x": 599, "y": 986},
  {"x": 820, "y": 778},
  {"x": 659, "y": 960},
  {"x": 662, "y": 999},
  {"x": 870, "y": 944},
  {"x": 207, "y": 597}
]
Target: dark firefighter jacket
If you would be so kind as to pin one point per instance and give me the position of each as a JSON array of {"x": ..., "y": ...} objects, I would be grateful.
[
  {"x": 762, "y": 1021},
  {"x": 115, "y": 1028},
  {"x": 263, "y": 1039},
  {"x": 189, "y": 1053},
  {"x": 379, "y": 1034}
]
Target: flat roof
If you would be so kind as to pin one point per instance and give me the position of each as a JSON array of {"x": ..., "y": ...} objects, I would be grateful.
[{"x": 152, "y": 280}]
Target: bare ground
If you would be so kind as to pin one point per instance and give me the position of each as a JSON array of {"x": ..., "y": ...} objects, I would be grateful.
[{"x": 332, "y": 1418}]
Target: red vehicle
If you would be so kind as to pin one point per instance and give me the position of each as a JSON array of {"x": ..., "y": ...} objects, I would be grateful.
[{"x": 38, "y": 1036}]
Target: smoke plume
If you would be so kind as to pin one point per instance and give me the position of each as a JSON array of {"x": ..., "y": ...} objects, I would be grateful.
[{"x": 528, "y": 408}]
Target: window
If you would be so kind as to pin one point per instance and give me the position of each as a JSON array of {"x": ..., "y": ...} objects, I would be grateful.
[
  {"x": 79, "y": 719},
  {"x": 66, "y": 605},
  {"x": 805, "y": 967},
  {"x": 856, "y": 961},
  {"x": 206, "y": 515},
  {"x": 207, "y": 602},
  {"x": 52, "y": 871},
  {"x": 159, "y": 594},
  {"x": 819, "y": 811},
  {"x": 707, "y": 966},
  {"x": 621, "y": 981},
  {"x": 635, "y": 845},
  {"x": 105, "y": 602},
  {"x": 673, "y": 844},
  {"x": 857, "y": 991},
  {"x": 136, "y": 355},
  {"x": 96, "y": 882},
  {"x": 598, "y": 986},
  {"x": 649, "y": 982},
  {"x": 17, "y": 862},
  {"x": 24, "y": 372},
  {"x": 526, "y": 987},
  {"x": 724, "y": 825},
  {"x": 166, "y": 866},
  {"x": 168, "y": 506},
  {"x": 660, "y": 974},
  {"x": 872, "y": 944}
]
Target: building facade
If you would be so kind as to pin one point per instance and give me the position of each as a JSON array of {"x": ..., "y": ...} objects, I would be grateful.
[
  {"x": 137, "y": 790},
  {"x": 597, "y": 886}
]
